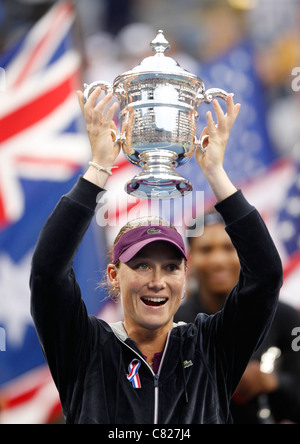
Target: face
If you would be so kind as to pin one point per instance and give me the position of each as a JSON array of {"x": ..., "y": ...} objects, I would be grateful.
[
  {"x": 151, "y": 286},
  {"x": 214, "y": 260}
]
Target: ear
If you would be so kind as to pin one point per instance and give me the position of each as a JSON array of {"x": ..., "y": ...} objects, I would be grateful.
[
  {"x": 185, "y": 275},
  {"x": 112, "y": 275}
]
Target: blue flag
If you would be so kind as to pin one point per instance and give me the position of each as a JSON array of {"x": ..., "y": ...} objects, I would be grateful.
[
  {"x": 249, "y": 151},
  {"x": 42, "y": 152}
]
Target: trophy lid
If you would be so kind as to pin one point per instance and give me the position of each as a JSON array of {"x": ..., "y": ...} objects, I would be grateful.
[{"x": 158, "y": 63}]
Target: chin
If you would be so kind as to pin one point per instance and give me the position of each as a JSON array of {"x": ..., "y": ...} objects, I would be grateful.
[{"x": 153, "y": 324}]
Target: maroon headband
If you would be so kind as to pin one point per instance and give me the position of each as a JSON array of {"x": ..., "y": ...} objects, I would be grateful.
[{"x": 131, "y": 242}]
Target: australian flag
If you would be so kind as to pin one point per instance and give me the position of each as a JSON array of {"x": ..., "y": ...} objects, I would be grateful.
[{"x": 42, "y": 151}]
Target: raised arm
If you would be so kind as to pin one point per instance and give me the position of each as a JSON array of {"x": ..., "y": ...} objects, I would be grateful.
[
  {"x": 58, "y": 311},
  {"x": 242, "y": 324},
  {"x": 211, "y": 162}
]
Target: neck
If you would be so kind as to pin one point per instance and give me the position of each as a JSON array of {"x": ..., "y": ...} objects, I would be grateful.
[
  {"x": 148, "y": 341},
  {"x": 212, "y": 301}
]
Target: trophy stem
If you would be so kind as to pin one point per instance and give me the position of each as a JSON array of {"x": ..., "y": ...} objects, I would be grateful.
[
  {"x": 158, "y": 179},
  {"x": 158, "y": 159}
]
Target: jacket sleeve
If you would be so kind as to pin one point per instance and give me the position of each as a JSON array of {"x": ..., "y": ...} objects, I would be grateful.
[
  {"x": 240, "y": 327},
  {"x": 58, "y": 311}
]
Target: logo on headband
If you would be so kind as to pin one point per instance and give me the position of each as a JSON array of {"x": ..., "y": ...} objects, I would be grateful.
[
  {"x": 133, "y": 375},
  {"x": 153, "y": 231}
]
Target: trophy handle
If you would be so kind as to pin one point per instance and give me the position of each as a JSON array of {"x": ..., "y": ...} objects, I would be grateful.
[
  {"x": 88, "y": 89},
  {"x": 209, "y": 95}
]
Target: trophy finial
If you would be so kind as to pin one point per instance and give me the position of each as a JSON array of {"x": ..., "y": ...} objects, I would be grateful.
[{"x": 160, "y": 44}]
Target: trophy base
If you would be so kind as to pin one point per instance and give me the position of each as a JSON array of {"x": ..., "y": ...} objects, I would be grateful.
[
  {"x": 147, "y": 185},
  {"x": 158, "y": 179}
]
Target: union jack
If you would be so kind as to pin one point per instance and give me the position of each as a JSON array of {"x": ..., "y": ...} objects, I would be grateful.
[{"x": 36, "y": 106}]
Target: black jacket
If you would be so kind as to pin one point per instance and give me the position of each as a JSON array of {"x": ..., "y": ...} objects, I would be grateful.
[
  {"x": 284, "y": 402},
  {"x": 202, "y": 361}
]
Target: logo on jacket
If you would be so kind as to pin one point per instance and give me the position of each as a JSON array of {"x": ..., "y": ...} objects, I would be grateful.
[
  {"x": 133, "y": 375},
  {"x": 187, "y": 364}
]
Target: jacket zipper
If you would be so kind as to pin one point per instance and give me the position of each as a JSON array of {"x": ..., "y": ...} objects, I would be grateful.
[{"x": 155, "y": 376}]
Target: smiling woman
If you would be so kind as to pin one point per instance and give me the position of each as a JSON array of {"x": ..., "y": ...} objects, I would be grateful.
[
  {"x": 148, "y": 369},
  {"x": 151, "y": 221},
  {"x": 148, "y": 268}
]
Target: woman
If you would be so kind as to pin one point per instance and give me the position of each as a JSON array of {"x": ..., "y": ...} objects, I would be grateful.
[{"x": 147, "y": 369}]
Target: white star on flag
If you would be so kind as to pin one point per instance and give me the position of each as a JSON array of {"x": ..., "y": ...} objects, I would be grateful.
[{"x": 14, "y": 302}]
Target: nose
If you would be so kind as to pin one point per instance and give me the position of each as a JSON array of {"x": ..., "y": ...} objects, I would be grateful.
[
  {"x": 157, "y": 281},
  {"x": 219, "y": 258}
]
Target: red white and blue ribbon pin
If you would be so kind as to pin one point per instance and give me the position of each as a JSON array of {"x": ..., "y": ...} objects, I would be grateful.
[{"x": 133, "y": 375}]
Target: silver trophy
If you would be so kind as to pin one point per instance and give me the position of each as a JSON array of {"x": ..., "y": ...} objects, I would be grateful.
[{"x": 158, "y": 115}]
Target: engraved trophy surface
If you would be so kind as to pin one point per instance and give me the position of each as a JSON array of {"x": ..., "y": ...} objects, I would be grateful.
[{"x": 158, "y": 115}]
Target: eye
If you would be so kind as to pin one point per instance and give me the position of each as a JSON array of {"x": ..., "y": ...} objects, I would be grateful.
[
  {"x": 142, "y": 266},
  {"x": 230, "y": 248},
  {"x": 172, "y": 267},
  {"x": 205, "y": 249}
]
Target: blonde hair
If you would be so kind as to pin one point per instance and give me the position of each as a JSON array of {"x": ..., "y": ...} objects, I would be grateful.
[{"x": 113, "y": 293}]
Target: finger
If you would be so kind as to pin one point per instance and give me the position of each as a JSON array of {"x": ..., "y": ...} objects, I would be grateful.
[
  {"x": 100, "y": 107},
  {"x": 113, "y": 126},
  {"x": 220, "y": 115},
  {"x": 93, "y": 97},
  {"x": 237, "y": 108},
  {"x": 232, "y": 109},
  {"x": 113, "y": 134},
  {"x": 98, "y": 110},
  {"x": 110, "y": 114},
  {"x": 210, "y": 123},
  {"x": 233, "y": 116},
  {"x": 230, "y": 105},
  {"x": 80, "y": 99}
]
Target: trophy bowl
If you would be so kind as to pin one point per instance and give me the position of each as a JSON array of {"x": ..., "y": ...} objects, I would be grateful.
[{"x": 158, "y": 116}]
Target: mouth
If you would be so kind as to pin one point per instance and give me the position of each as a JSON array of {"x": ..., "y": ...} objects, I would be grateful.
[
  {"x": 220, "y": 276},
  {"x": 153, "y": 301}
]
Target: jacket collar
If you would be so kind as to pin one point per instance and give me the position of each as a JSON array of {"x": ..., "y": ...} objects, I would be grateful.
[{"x": 120, "y": 332}]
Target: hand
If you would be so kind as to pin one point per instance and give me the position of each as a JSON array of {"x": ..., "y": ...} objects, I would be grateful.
[
  {"x": 218, "y": 135},
  {"x": 99, "y": 126},
  {"x": 211, "y": 162}
]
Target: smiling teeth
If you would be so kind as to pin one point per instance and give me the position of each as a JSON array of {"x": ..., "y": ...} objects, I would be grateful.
[{"x": 155, "y": 299}]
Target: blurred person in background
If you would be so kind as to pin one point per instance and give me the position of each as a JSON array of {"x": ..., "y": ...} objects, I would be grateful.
[{"x": 214, "y": 269}]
